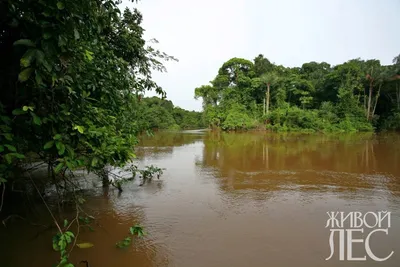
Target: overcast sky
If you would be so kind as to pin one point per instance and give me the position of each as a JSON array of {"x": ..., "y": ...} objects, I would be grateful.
[{"x": 204, "y": 34}]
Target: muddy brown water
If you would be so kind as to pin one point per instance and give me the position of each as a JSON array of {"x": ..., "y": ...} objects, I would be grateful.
[{"x": 244, "y": 199}]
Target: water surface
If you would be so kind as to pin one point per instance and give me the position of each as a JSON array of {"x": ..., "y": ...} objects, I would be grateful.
[{"x": 244, "y": 199}]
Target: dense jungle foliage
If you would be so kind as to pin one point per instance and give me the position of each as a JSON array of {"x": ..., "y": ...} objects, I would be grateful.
[
  {"x": 358, "y": 95},
  {"x": 158, "y": 113},
  {"x": 73, "y": 75}
]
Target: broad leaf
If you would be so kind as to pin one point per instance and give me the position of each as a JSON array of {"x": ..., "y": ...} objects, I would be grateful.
[
  {"x": 27, "y": 58},
  {"x": 25, "y": 42},
  {"x": 25, "y": 74},
  {"x": 11, "y": 148},
  {"x": 48, "y": 145},
  {"x": 59, "y": 167},
  {"x": 36, "y": 119}
]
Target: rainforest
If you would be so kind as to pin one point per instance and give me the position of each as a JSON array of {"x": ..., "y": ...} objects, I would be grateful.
[
  {"x": 356, "y": 96},
  {"x": 78, "y": 131}
]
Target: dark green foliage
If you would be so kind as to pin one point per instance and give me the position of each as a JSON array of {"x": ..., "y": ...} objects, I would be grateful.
[
  {"x": 392, "y": 122},
  {"x": 71, "y": 73},
  {"x": 157, "y": 113},
  {"x": 69, "y": 77}
]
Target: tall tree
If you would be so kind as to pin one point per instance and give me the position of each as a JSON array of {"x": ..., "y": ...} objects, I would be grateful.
[
  {"x": 269, "y": 79},
  {"x": 262, "y": 65}
]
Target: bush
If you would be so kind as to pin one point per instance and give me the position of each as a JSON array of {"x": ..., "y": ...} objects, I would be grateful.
[
  {"x": 391, "y": 123},
  {"x": 174, "y": 127},
  {"x": 324, "y": 120},
  {"x": 237, "y": 120}
]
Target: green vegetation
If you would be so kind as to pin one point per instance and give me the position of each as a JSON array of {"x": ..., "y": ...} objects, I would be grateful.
[
  {"x": 355, "y": 96},
  {"x": 72, "y": 75},
  {"x": 157, "y": 113},
  {"x": 134, "y": 231}
]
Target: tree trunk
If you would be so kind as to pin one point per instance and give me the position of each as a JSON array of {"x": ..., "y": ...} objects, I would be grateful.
[
  {"x": 365, "y": 103},
  {"x": 398, "y": 96},
  {"x": 369, "y": 100},
  {"x": 264, "y": 106},
  {"x": 267, "y": 108},
  {"x": 376, "y": 100}
]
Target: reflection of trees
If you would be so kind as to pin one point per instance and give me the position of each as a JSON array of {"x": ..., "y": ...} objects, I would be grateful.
[
  {"x": 163, "y": 143},
  {"x": 114, "y": 215},
  {"x": 170, "y": 139},
  {"x": 306, "y": 162}
]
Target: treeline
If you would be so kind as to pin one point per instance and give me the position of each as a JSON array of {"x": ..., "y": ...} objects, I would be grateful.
[
  {"x": 358, "y": 95},
  {"x": 158, "y": 113}
]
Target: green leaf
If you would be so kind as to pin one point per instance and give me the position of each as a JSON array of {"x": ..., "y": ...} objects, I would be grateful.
[
  {"x": 62, "y": 243},
  {"x": 69, "y": 233},
  {"x": 47, "y": 65},
  {"x": 18, "y": 111},
  {"x": 95, "y": 160},
  {"x": 25, "y": 42},
  {"x": 17, "y": 155},
  {"x": 62, "y": 41},
  {"x": 59, "y": 167},
  {"x": 8, "y": 136},
  {"x": 88, "y": 55},
  {"x": 70, "y": 165},
  {"x": 55, "y": 246},
  {"x": 70, "y": 151},
  {"x": 48, "y": 145},
  {"x": 84, "y": 245},
  {"x": 11, "y": 148},
  {"x": 76, "y": 34},
  {"x": 1, "y": 148},
  {"x": 26, "y": 108},
  {"x": 65, "y": 223},
  {"x": 5, "y": 119},
  {"x": 39, "y": 56},
  {"x": 60, "y": 5},
  {"x": 8, "y": 158},
  {"x": 57, "y": 137},
  {"x": 2, "y": 180},
  {"x": 61, "y": 149},
  {"x": 27, "y": 58},
  {"x": 80, "y": 129},
  {"x": 38, "y": 79},
  {"x": 69, "y": 265},
  {"x": 36, "y": 119},
  {"x": 25, "y": 74}
]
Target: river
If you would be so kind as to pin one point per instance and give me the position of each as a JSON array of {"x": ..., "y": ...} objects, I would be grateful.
[{"x": 237, "y": 199}]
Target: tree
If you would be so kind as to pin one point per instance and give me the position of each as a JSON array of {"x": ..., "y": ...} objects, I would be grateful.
[
  {"x": 347, "y": 96},
  {"x": 262, "y": 65},
  {"x": 375, "y": 76},
  {"x": 268, "y": 79},
  {"x": 70, "y": 75}
]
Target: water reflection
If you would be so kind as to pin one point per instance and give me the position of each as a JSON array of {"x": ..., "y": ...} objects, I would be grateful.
[
  {"x": 248, "y": 199},
  {"x": 303, "y": 162},
  {"x": 114, "y": 215}
]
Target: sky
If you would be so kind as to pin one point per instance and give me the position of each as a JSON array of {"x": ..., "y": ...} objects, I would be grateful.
[{"x": 204, "y": 34}]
